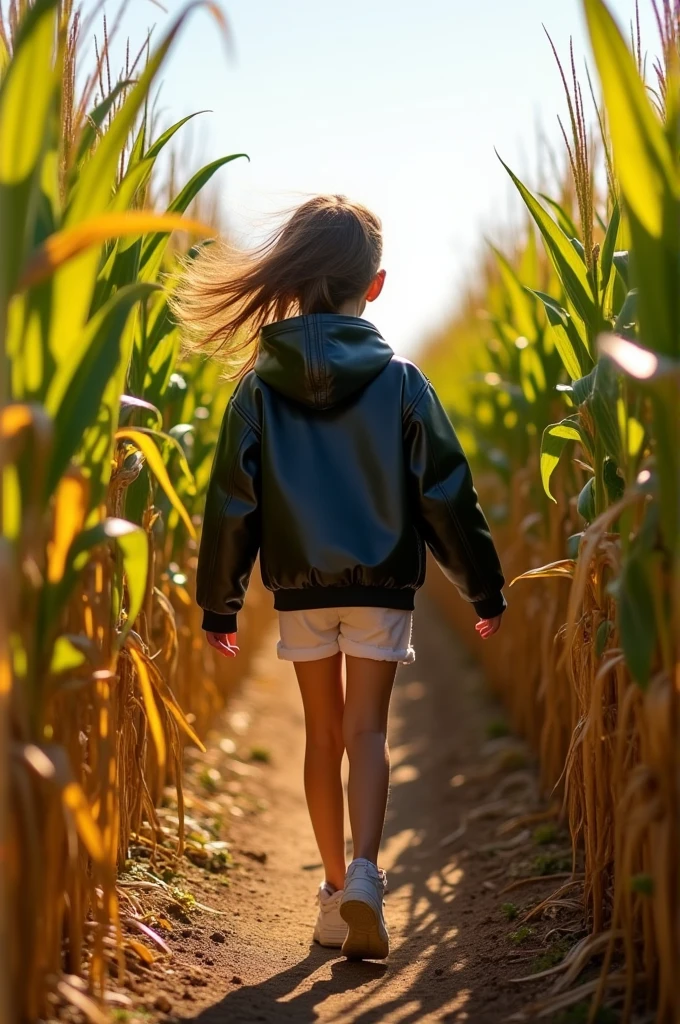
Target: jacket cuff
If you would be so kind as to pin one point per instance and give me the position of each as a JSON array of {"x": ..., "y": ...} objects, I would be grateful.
[
  {"x": 490, "y": 607},
  {"x": 216, "y": 622}
]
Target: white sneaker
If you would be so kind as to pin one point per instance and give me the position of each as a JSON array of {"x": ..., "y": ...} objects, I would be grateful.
[
  {"x": 330, "y": 929},
  {"x": 362, "y": 908}
]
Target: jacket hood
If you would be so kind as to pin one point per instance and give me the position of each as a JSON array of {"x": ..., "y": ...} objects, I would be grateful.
[{"x": 322, "y": 358}]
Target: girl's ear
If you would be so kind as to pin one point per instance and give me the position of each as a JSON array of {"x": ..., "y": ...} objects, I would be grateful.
[{"x": 376, "y": 286}]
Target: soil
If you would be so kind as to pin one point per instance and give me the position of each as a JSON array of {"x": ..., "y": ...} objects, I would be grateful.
[{"x": 464, "y": 822}]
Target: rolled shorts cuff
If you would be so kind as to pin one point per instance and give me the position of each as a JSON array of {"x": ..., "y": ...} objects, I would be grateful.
[
  {"x": 405, "y": 657},
  {"x": 307, "y": 653}
]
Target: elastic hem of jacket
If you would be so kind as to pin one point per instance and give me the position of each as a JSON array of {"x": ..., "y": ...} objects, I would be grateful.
[
  {"x": 344, "y": 597},
  {"x": 490, "y": 607},
  {"x": 216, "y": 622}
]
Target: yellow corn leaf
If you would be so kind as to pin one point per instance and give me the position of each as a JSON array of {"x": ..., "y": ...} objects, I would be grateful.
[
  {"x": 76, "y": 804},
  {"x": 150, "y": 707},
  {"x": 144, "y": 954},
  {"x": 64, "y": 245},
  {"x": 70, "y": 509},
  {"x": 170, "y": 702},
  {"x": 148, "y": 447},
  {"x": 564, "y": 569}
]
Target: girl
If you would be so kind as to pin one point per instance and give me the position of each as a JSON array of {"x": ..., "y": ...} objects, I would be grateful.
[{"x": 337, "y": 463}]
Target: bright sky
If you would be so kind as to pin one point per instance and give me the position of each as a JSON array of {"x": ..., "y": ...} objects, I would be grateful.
[{"x": 395, "y": 103}]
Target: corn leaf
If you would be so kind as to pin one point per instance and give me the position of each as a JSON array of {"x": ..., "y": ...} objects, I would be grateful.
[
  {"x": 75, "y": 395},
  {"x": 555, "y": 439},
  {"x": 150, "y": 707},
  {"x": 134, "y": 548},
  {"x": 569, "y": 266},
  {"x": 25, "y": 110},
  {"x": 142, "y": 440},
  {"x": 575, "y": 357},
  {"x": 643, "y": 160},
  {"x": 65, "y": 245},
  {"x": 564, "y": 569},
  {"x": 637, "y": 623}
]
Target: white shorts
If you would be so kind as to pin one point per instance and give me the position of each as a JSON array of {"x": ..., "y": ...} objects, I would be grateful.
[{"x": 381, "y": 634}]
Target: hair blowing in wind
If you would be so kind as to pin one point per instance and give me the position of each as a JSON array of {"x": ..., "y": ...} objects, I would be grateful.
[{"x": 327, "y": 252}]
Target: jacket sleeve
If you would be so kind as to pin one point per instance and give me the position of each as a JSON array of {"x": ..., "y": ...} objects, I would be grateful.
[
  {"x": 449, "y": 516},
  {"x": 230, "y": 539}
]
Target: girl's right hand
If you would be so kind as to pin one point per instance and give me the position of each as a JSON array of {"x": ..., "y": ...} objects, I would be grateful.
[
  {"x": 487, "y": 627},
  {"x": 225, "y": 643}
]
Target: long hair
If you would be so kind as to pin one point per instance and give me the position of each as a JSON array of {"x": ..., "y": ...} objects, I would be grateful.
[{"x": 328, "y": 251}]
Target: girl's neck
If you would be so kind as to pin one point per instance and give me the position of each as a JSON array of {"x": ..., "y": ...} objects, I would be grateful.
[{"x": 352, "y": 307}]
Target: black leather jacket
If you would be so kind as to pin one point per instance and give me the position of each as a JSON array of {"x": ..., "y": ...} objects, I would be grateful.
[{"x": 337, "y": 463}]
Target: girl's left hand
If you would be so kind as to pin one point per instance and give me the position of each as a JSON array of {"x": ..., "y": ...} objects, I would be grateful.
[
  {"x": 487, "y": 627},
  {"x": 225, "y": 643}
]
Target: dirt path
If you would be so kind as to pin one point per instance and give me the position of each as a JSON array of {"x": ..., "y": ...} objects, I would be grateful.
[{"x": 452, "y": 957}]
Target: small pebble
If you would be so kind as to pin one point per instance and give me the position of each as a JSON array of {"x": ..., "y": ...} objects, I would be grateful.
[
  {"x": 163, "y": 1004},
  {"x": 439, "y": 971},
  {"x": 236, "y": 980},
  {"x": 187, "y": 933},
  {"x": 218, "y": 937}
]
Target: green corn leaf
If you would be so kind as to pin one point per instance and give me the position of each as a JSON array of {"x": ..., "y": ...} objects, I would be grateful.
[
  {"x": 575, "y": 357},
  {"x": 521, "y": 307},
  {"x": 75, "y": 395},
  {"x": 626, "y": 322},
  {"x": 563, "y": 218},
  {"x": 613, "y": 482},
  {"x": 569, "y": 266},
  {"x": 26, "y": 110},
  {"x": 643, "y": 159},
  {"x": 603, "y": 405},
  {"x": 95, "y": 119},
  {"x": 621, "y": 260},
  {"x": 555, "y": 439},
  {"x": 155, "y": 245},
  {"x": 607, "y": 269},
  {"x": 637, "y": 622},
  {"x": 586, "y": 501},
  {"x": 161, "y": 142}
]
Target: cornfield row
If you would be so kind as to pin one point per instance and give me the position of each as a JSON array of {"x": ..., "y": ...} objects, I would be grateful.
[
  {"x": 569, "y": 398},
  {"x": 106, "y": 435}
]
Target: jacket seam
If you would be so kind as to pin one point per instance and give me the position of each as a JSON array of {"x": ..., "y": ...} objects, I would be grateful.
[
  {"x": 250, "y": 420},
  {"x": 414, "y": 402},
  {"x": 456, "y": 521},
  {"x": 308, "y": 358}
]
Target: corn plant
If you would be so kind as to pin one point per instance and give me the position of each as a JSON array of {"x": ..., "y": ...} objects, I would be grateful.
[
  {"x": 106, "y": 439},
  {"x": 609, "y": 464}
]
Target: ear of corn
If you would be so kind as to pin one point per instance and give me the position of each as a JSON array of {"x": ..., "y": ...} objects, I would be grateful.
[{"x": 596, "y": 502}]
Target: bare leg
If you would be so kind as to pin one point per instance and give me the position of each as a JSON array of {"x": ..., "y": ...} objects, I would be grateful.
[
  {"x": 323, "y": 701},
  {"x": 369, "y": 687}
]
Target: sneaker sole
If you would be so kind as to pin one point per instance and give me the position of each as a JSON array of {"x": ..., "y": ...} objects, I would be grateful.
[{"x": 364, "y": 940}]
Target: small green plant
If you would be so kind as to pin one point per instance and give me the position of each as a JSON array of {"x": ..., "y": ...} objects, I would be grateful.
[
  {"x": 497, "y": 729},
  {"x": 545, "y": 834},
  {"x": 552, "y": 956},
  {"x": 551, "y": 864},
  {"x": 509, "y": 911},
  {"x": 260, "y": 754},
  {"x": 522, "y": 935},
  {"x": 209, "y": 779}
]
